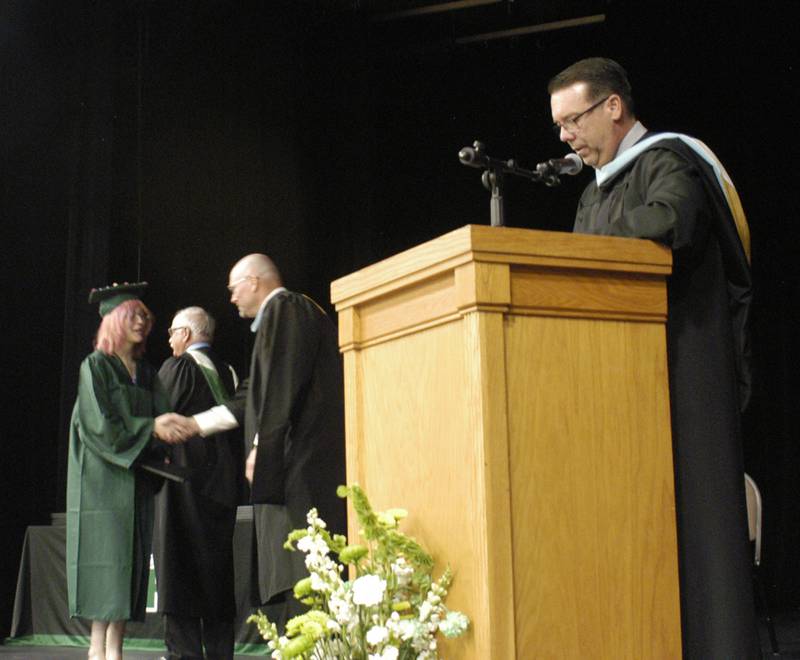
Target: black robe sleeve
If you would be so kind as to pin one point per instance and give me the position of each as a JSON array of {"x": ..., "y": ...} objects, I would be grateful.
[
  {"x": 286, "y": 346},
  {"x": 672, "y": 211},
  {"x": 237, "y": 404},
  {"x": 179, "y": 379}
]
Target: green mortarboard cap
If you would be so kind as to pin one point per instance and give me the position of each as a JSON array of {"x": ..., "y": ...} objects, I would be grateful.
[{"x": 111, "y": 296}]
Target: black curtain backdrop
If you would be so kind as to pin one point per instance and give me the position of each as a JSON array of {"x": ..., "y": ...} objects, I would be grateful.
[{"x": 164, "y": 140}]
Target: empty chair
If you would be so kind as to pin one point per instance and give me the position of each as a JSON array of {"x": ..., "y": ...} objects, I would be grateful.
[{"x": 754, "y": 520}]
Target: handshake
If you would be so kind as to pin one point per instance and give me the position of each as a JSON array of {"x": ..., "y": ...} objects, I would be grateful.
[{"x": 173, "y": 428}]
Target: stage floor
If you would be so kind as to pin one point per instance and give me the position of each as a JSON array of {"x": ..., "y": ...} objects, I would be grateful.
[
  {"x": 787, "y": 629},
  {"x": 63, "y": 653},
  {"x": 72, "y": 653}
]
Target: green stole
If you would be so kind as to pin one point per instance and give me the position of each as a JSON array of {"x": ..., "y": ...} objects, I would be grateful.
[{"x": 209, "y": 372}]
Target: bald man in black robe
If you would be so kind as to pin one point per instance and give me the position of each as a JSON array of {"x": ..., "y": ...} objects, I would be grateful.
[{"x": 292, "y": 410}]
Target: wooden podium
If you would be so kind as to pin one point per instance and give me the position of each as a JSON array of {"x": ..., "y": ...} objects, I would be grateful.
[{"x": 509, "y": 388}]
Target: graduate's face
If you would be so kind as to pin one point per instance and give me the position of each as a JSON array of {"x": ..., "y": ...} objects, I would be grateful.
[
  {"x": 136, "y": 327},
  {"x": 244, "y": 293},
  {"x": 587, "y": 126}
]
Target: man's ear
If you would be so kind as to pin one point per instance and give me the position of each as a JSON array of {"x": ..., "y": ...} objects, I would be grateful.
[{"x": 615, "y": 106}]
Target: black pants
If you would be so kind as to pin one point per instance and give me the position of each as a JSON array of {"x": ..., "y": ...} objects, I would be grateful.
[{"x": 185, "y": 638}]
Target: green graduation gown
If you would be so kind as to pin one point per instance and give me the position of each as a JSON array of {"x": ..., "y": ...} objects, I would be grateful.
[{"x": 109, "y": 504}]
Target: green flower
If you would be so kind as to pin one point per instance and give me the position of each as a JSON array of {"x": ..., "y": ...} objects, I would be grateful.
[
  {"x": 402, "y": 607},
  {"x": 312, "y": 623},
  {"x": 268, "y": 630},
  {"x": 385, "y": 519},
  {"x": 316, "y": 620},
  {"x": 351, "y": 554},
  {"x": 392, "y": 571},
  {"x": 297, "y": 646},
  {"x": 312, "y": 629},
  {"x": 302, "y": 588},
  {"x": 294, "y": 536}
]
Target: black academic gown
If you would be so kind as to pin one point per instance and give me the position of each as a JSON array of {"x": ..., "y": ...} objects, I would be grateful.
[
  {"x": 293, "y": 399},
  {"x": 669, "y": 194},
  {"x": 193, "y": 541}
]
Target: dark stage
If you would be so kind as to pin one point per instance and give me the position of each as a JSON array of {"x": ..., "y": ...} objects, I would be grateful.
[{"x": 164, "y": 140}]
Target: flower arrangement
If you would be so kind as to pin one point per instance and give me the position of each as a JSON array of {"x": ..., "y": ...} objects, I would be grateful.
[{"x": 392, "y": 610}]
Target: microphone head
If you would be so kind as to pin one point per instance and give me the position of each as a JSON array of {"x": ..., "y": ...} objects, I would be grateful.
[
  {"x": 467, "y": 155},
  {"x": 575, "y": 164}
]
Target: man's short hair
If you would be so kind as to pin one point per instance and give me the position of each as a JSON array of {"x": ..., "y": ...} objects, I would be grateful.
[
  {"x": 602, "y": 76},
  {"x": 199, "y": 321}
]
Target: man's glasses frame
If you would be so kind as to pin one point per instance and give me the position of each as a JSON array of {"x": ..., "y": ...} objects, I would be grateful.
[
  {"x": 571, "y": 125},
  {"x": 236, "y": 283}
]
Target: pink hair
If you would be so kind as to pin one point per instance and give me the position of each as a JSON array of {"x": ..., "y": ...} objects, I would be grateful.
[{"x": 113, "y": 328}]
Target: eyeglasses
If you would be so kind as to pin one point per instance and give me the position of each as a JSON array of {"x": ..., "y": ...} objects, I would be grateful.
[
  {"x": 571, "y": 125},
  {"x": 172, "y": 331},
  {"x": 236, "y": 283}
]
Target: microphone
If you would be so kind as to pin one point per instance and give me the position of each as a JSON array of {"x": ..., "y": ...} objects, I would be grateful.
[
  {"x": 570, "y": 164},
  {"x": 474, "y": 157}
]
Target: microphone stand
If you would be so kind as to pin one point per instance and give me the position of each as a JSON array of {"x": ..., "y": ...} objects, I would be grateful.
[
  {"x": 492, "y": 179},
  {"x": 493, "y": 175}
]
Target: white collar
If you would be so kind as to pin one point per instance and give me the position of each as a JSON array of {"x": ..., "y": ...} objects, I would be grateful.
[
  {"x": 631, "y": 137},
  {"x": 257, "y": 320}
]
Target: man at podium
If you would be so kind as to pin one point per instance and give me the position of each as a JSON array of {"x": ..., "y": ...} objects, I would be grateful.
[{"x": 671, "y": 188}]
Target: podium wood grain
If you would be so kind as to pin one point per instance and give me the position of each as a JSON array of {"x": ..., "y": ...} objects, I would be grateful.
[{"x": 509, "y": 388}]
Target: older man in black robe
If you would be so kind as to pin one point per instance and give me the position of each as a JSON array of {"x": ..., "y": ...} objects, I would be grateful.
[
  {"x": 292, "y": 409},
  {"x": 193, "y": 541},
  {"x": 671, "y": 188}
]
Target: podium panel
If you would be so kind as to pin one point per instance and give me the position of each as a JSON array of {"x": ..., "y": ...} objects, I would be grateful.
[{"x": 509, "y": 387}]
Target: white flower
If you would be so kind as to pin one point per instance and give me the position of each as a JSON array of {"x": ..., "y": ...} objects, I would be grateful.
[
  {"x": 368, "y": 590},
  {"x": 377, "y": 635},
  {"x": 305, "y": 544},
  {"x": 313, "y": 544},
  {"x": 454, "y": 624},
  {"x": 405, "y": 629},
  {"x": 403, "y": 570},
  {"x": 389, "y": 653},
  {"x": 353, "y": 620},
  {"x": 318, "y": 584},
  {"x": 424, "y": 611},
  {"x": 340, "y": 608}
]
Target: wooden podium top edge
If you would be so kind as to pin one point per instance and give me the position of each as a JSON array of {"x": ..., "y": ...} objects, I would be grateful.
[{"x": 507, "y": 243}]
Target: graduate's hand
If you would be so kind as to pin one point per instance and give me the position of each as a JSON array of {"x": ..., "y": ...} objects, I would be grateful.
[
  {"x": 187, "y": 427},
  {"x": 250, "y": 465},
  {"x": 164, "y": 428},
  {"x": 173, "y": 428}
]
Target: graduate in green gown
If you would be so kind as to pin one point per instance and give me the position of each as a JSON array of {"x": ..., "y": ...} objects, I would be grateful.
[{"x": 114, "y": 427}]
